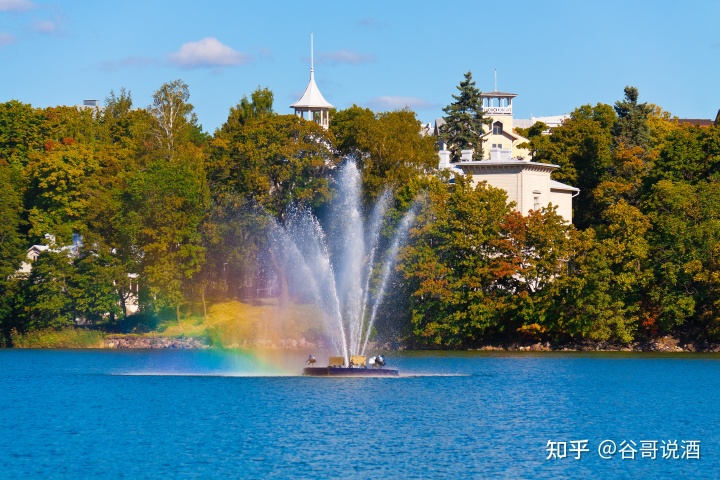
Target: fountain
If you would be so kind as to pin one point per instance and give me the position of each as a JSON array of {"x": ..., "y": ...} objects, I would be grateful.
[{"x": 342, "y": 270}]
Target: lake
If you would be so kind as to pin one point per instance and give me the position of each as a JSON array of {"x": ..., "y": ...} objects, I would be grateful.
[{"x": 214, "y": 413}]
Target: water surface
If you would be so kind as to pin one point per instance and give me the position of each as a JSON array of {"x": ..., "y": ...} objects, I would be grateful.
[{"x": 200, "y": 414}]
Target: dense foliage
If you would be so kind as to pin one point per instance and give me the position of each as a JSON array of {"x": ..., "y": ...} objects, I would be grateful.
[{"x": 122, "y": 197}]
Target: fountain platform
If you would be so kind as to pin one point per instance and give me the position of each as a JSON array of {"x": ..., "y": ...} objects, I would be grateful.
[{"x": 358, "y": 368}]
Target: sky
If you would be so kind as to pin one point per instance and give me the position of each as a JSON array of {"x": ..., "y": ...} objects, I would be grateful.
[{"x": 385, "y": 55}]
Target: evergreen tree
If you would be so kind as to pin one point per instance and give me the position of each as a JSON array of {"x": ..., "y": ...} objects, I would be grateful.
[
  {"x": 463, "y": 129},
  {"x": 631, "y": 128}
]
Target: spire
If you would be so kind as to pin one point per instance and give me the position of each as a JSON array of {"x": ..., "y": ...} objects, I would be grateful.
[
  {"x": 312, "y": 100},
  {"x": 312, "y": 61}
]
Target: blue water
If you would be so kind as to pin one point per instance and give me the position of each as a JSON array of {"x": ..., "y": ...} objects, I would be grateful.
[{"x": 200, "y": 414}]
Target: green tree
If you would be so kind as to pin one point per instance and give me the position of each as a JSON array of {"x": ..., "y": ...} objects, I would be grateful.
[
  {"x": 159, "y": 218},
  {"x": 690, "y": 154},
  {"x": 175, "y": 121},
  {"x": 388, "y": 147},
  {"x": 46, "y": 292},
  {"x": 59, "y": 182},
  {"x": 463, "y": 128},
  {"x": 631, "y": 128},
  {"x": 11, "y": 248},
  {"x": 684, "y": 242},
  {"x": 601, "y": 297},
  {"x": 582, "y": 146},
  {"x": 20, "y": 132},
  {"x": 534, "y": 251},
  {"x": 454, "y": 266},
  {"x": 97, "y": 285},
  {"x": 275, "y": 160},
  {"x": 259, "y": 104}
]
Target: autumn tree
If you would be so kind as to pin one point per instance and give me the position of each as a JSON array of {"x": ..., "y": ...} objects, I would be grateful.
[{"x": 463, "y": 128}]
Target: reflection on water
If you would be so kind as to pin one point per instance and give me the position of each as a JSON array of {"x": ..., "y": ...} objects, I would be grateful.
[{"x": 137, "y": 414}]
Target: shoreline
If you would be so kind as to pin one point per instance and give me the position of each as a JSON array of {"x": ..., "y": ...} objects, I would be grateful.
[{"x": 659, "y": 345}]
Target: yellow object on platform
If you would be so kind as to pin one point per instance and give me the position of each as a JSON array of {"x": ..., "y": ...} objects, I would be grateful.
[
  {"x": 336, "y": 362},
  {"x": 358, "y": 360}
]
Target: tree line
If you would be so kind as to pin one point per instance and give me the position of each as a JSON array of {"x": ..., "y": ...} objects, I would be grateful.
[{"x": 150, "y": 193}]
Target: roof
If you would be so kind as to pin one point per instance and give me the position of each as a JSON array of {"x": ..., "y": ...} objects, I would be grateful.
[
  {"x": 312, "y": 98},
  {"x": 698, "y": 122},
  {"x": 508, "y": 163},
  {"x": 561, "y": 186},
  {"x": 497, "y": 94}
]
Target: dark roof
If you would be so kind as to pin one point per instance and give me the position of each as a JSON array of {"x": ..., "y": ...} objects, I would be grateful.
[
  {"x": 497, "y": 94},
  {"x": 698, "y": 122}
]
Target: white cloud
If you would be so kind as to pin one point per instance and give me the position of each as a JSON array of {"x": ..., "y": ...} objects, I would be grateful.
[
  {"x": 45, "y": 26},
  {"x": 344, "y": 57},
  {"x": 208, "y": 52},
  {"x": 396, "y": 103},
  {"x": 6, "y": 39},
  {"x": 16, "y": 5}
]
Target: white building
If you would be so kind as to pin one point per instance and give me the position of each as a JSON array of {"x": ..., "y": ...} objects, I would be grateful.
[{"x": 507, "y": 165}]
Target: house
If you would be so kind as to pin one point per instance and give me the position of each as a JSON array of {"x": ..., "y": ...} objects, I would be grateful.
[
  {"x": 507, "y": 164},
  {"x": 131, "y": 303}
]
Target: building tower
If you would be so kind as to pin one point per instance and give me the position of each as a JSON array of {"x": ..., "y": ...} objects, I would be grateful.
[{"x": 312, "y": 102}]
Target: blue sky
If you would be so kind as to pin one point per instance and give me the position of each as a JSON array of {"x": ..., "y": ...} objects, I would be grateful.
[{"x": 556, "y": 55}]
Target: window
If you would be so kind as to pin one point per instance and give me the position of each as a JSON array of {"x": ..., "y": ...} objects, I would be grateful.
[
  {"x": 497, "y": 128},
  {"x": 536, "y": 202},
  {"x": 497, "y": 145}
]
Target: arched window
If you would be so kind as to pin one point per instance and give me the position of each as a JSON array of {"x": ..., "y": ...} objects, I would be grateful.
[{"x": 497, "y": 128}]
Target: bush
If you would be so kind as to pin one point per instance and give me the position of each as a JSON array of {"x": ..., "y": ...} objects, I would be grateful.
[{"x": 65, "y": 338}]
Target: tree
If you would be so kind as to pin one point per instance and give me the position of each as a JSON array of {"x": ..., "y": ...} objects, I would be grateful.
[
  {"x": 601, "y": 298},
  {"x": 684, "y": 251},
  {"x": 631, "y": 128},
  {"x": 175, "y": 120},
  {"x": 453, "y": 264},
  {"x": 275, "y": 160},
  {"x": 582, "y": 146},
  {"x": 159, "y": 218},
  {"x": 388, "y": 147},
  {"x": 20, "y": 132},
  {"x": 47, "y": 299},
  {"x": 59, "y": 182},
  {"x": 11, "y": 248},
  {"x": 690, "y": 154},
  {"x": 463, "y": 128},
  {"x": 259, "y": 104},
  {"x": 534, "y": 250}
]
